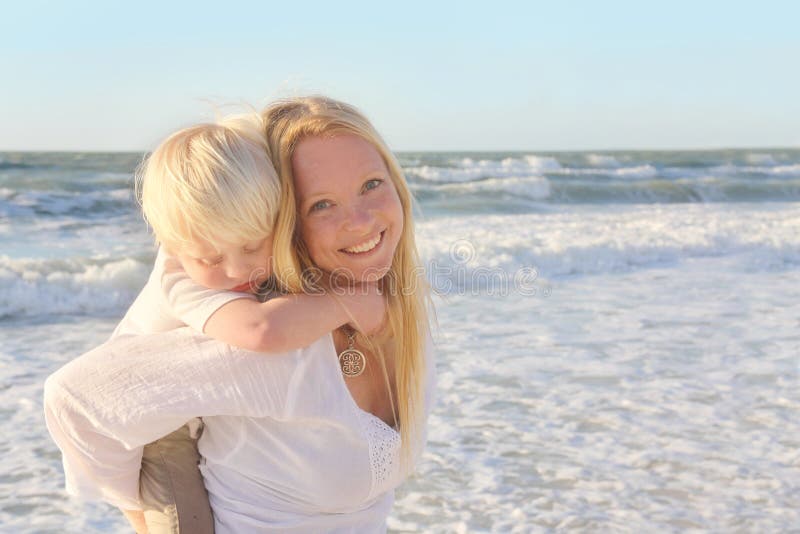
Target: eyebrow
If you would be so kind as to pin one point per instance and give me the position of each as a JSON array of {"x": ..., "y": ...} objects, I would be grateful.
[
  {"x": 201, "y": 252},
  {"x": 256, "y": 243}
]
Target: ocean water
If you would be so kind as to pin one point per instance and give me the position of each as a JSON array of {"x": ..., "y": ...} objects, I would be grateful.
[{"x": 617, "y": 332}]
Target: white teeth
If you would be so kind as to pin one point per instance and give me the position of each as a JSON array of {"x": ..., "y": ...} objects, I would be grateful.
[{"x": 366, "y": 246}]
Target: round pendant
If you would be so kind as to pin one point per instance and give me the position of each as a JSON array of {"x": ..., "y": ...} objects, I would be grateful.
[{"x": 353, "y": 362}]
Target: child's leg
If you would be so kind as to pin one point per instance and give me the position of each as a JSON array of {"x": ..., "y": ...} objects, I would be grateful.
[{"x": 171, "y": 486}]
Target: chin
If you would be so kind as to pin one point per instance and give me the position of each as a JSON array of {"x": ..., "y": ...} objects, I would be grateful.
[{"x": 373, "y": 275}]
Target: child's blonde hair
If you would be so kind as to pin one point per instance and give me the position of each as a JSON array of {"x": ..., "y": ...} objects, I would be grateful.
[
  {"x": 289, "y": 122},
  {"x": 210, "y": 182}
]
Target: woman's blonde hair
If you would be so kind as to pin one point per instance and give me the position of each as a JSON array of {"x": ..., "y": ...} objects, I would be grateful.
[
  {"x": 408, "y": 296},
  {"x": 210, "y": 182}
]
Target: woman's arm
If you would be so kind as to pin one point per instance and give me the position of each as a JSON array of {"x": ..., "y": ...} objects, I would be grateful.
[{"x": 104, "y": 406}]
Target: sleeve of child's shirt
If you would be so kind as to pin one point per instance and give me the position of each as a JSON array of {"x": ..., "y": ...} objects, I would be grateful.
[
  {"x": 190, "y": 302},
  {"x": 103, "y": 407}
]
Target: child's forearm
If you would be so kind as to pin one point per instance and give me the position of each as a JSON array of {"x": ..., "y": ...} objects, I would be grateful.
[
  {"x": 293, "y": 321},
  {"x": 283, "y": 323}
]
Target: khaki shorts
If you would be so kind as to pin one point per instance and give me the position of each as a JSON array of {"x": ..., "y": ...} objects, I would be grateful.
[{"x": 171, "y": 487}]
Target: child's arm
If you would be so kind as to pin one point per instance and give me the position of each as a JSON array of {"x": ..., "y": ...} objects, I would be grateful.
[
  {"x": 284, "y": 323},
  {"x": 293, "y": 321}
]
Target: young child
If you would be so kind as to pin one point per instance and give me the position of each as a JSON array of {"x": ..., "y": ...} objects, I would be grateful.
[{"x": 211, "y": 195}]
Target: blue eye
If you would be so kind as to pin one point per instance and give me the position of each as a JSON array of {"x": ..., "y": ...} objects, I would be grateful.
[
  {"x": 372, "y": 184},
  {"x": 322, "y": 204}
]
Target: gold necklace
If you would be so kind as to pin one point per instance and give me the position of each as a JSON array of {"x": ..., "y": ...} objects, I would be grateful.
[{"x": 351, "y": 360}]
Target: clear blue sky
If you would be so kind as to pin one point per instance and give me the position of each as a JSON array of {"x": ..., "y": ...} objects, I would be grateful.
[{"x": 432, "y": 76}]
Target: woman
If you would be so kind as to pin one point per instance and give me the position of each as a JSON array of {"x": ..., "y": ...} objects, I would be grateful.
[{"x": 300, "y": 442}]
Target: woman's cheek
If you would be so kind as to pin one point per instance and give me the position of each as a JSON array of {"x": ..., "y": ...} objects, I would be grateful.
[
  {"x": 314, "y": 235},
  {"x": 395, "y": 211},
  {"x": 390, "y": 203}
]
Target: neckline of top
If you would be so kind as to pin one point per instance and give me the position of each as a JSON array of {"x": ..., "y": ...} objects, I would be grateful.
[{"x": 343, "y": 384}]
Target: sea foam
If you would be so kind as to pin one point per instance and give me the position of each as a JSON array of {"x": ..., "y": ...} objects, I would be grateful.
[
  {"x": 34, "y": 287},
  {"x": 601, "y": 241}
]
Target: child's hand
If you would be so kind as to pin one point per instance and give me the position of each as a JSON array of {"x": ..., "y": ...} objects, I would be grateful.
[{"x": 368, "y": 307}]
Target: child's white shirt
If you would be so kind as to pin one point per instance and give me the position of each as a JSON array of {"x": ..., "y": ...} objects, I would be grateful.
[{"x": 171, "y": 299}]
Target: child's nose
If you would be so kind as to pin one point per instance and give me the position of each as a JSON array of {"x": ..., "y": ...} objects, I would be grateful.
[{"x": 239, "y": 270}]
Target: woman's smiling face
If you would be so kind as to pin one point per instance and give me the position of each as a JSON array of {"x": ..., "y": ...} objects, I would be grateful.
[{"x": 350, "y": 216}]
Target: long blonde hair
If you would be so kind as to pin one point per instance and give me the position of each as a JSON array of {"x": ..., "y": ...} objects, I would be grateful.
[
  {"x": 408, "y": 296},
  {"x": 211, "y": 182}
]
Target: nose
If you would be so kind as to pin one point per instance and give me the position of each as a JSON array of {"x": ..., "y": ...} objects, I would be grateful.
[
  {"x": 359, "y": 218},
  {"x": 238, "y": 269}
]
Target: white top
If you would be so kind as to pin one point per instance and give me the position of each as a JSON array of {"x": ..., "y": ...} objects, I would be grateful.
[
  {"x": 285, "y": 447},
  {"x": 171, "y": 299}
]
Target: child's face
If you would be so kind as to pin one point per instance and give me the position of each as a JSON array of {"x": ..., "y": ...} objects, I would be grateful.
[{"x": 235, "y": 267}]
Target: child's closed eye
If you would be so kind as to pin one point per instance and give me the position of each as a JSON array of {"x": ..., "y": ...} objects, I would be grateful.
[
  {"x": 253, "y": 247},
  {"x": 210, "y": 262}
]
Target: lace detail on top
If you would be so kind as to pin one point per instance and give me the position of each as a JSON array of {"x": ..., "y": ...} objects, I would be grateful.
[{"x": 384, "y": 448}]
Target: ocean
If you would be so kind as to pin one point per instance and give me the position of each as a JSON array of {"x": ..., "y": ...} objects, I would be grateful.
[{"x": 617, "y": 335}]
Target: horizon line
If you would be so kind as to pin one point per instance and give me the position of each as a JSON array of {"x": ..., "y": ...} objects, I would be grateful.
[{"x": 455, "y": 151}]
